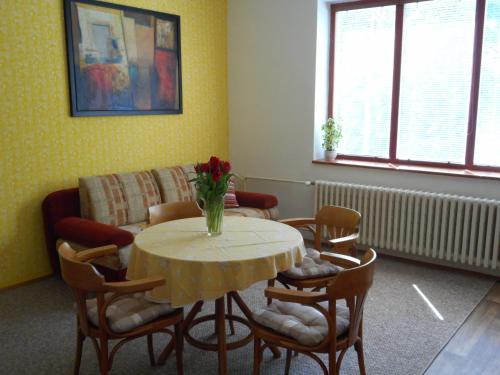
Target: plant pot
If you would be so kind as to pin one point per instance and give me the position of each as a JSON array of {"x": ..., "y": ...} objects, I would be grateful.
[{"x": 330, "y": 155}]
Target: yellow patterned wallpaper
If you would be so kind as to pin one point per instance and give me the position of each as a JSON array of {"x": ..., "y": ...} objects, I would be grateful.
[{"x": 43, "y": 149}]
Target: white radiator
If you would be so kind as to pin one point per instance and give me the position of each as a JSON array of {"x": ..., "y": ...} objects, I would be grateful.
[{"x": 461, "y": 231}]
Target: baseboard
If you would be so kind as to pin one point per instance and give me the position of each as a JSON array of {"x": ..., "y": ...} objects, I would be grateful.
[{"x": 23, "y": 283}]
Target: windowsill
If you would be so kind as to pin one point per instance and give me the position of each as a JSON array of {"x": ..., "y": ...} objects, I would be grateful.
[{"x": 411, "y": 168}]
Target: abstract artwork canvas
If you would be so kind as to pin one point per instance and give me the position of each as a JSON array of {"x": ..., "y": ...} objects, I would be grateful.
[{"x": 122, "y": 60}]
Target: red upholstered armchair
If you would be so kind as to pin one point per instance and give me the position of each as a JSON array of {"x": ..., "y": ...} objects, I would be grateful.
[{"x": 63, "y": 220}]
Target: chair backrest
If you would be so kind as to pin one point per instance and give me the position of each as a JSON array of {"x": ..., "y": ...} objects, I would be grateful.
[
  {"x": 78, "y": 275},
  {"x": 352, "y": 284},
  {"x": 82, "y": 277},
  {"x": 173, "y": 211},
  {"x": 339, "y": 222}
]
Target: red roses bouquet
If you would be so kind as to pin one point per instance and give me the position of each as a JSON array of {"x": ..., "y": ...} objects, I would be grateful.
[
  {"x": 212, "y": 178},
  {"x": 211, "y": 181}
]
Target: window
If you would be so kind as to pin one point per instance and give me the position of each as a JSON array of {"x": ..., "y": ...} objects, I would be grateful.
[{"x": 418, "y": 82}]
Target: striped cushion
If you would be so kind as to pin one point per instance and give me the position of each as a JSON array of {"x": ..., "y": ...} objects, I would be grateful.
[
  {"x": 312, "y": 266},
  {"x": 141, "y": 192},
  {"x": 174, "y": 183},
  {"x": 118, "y": 199},
  {"x": 302, "y": 323},
  {"x": 230, "y": 197},
  {"x": 102, "y": 199},
  {"x": 128, "y": 312}
]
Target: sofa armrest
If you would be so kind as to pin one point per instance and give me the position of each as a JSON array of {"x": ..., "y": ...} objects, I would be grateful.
[
  {"x": 256, "y": 200},
  {"x": 91, "y": 233},
  {"x": 56, "y": 206}
]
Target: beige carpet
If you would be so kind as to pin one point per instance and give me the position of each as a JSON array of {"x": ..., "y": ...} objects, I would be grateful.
[{"x": 402, "y": 335}]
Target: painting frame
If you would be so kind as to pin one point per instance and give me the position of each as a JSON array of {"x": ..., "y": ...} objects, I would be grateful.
[{"x": 162, "y": 72}]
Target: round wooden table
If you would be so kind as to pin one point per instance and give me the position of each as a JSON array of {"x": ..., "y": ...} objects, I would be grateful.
[{"x": 197, "y": 267}]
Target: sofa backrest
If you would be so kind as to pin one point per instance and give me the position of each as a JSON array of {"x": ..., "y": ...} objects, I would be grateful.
[
  {"x": 174, "y": 183},
  {"x": 118, "y": 199}
]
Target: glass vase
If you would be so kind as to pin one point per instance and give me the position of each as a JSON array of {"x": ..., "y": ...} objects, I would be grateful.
[{"x": 214, "y": 213}]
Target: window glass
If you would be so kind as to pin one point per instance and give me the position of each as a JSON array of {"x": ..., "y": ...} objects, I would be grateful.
[
  {"x": 364, "y": 50},
  {"x": 436, "y": 70}
]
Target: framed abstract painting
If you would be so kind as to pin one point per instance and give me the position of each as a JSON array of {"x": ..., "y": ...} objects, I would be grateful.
[{"x": 122, "y": 60}]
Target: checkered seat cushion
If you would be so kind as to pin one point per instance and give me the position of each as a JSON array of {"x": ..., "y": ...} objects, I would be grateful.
[
  {"x": 302, "y": 323},
  {"x": 128, "y": 312},
  {"x": 312, "y": 266}
]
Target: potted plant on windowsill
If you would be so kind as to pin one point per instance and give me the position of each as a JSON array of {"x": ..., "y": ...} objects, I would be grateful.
[{"x": 332, "y": 134}]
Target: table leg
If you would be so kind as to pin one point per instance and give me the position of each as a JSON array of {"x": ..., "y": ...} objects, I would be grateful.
[{"x": 221, "y": 334}]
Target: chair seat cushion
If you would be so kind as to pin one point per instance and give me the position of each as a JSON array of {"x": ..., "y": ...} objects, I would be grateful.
[
  {"x": 302, "y": 323},
  {"x": 128, "y": 312},
  {"x": 312, "y": 266}
]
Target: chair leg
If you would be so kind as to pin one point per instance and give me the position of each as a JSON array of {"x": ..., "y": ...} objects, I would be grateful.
[
  {"x": 230, "y": 312},
  {"x": 256, "y": 356},
  {"x": 270, "y": 283},
  {"x": 358, "y": 346},
  {"x": 332, "y": 361},
  {"x": 104, "y": 359},
  {"x": 288, "y": 361},
  {"x": 179, "y": 347},
  {"x": 79, "y": 346},
  {"x": 339, "y": 360},
  {"x": 151, "y": 350}
]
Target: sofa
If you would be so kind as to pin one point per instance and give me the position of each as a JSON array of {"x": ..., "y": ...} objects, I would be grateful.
[{"x": 112, "y": 209}]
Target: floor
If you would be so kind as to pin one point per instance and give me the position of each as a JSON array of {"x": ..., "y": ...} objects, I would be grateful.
[
  {"x": 37, "y": 328},
  {"x": 475, "y": 347}
]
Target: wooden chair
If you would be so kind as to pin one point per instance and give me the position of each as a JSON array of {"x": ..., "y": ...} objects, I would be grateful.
[
  {"x": 342, "y": 225},
  {"x": 351, "y": 284},
  {"x": 104, "y": 318},
  {"x": 173, "y": 211}
]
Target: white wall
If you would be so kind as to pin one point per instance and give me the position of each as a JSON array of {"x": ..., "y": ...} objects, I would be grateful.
[{"x": 274, "y": 60}]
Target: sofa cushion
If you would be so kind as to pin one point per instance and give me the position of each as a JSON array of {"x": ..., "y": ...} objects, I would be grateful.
[
  {"x": 230, "y": 197},
  {"x": 135, "y": 228},
  {"x": 174, "y": 183},
  {"x": 312, "y": 266},
  {"x": 102, "y": 199},
  {"x": 141, "y": 192},
  {"x": 128, "y": 312},
  {"x": 118, "y": 199},
  {"x": 260, "y": 213},
  {"x": 302, "y": 323}
]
